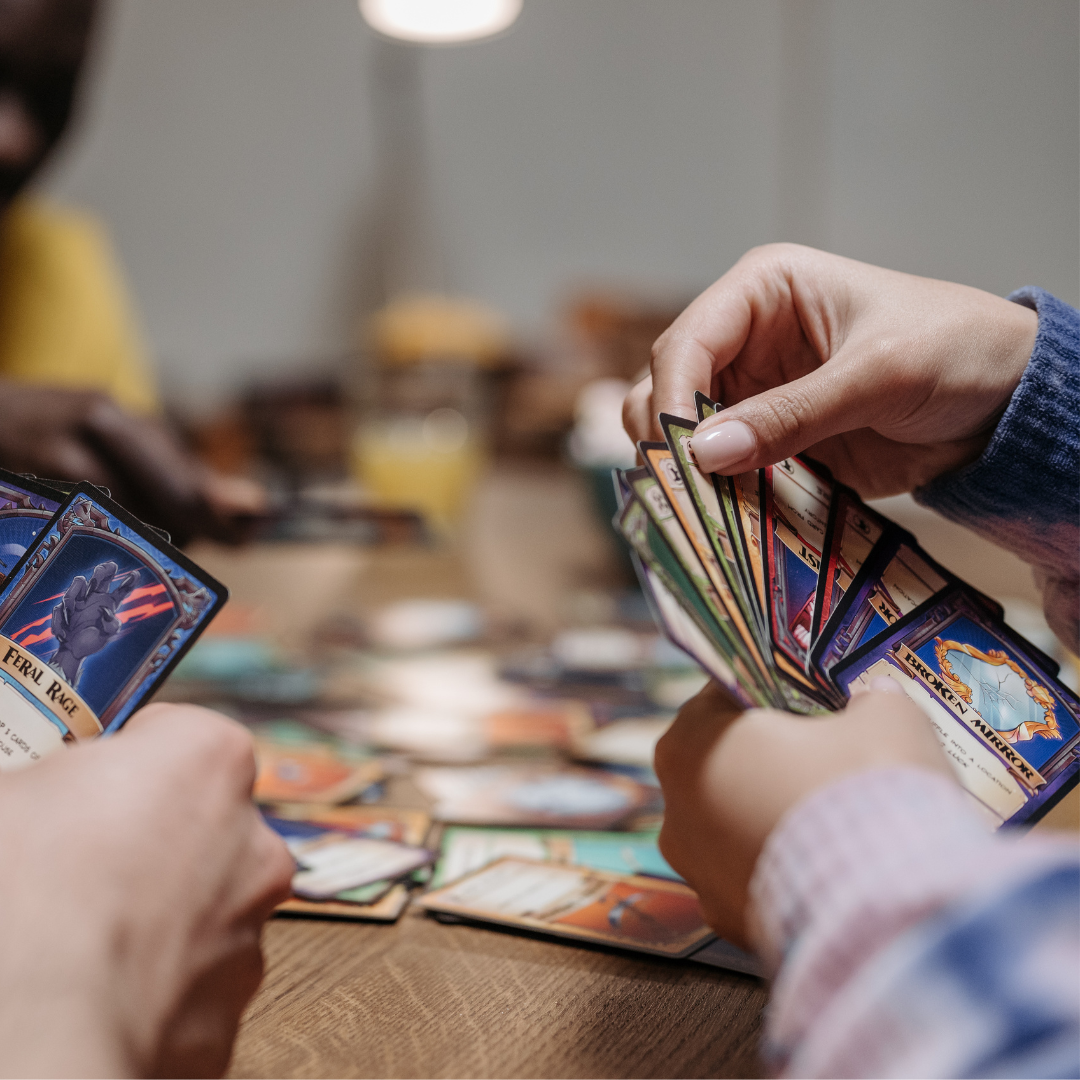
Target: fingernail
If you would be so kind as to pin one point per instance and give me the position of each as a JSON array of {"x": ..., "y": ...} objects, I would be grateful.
[
  {"x": 885, "y": 685},
  {"x": 723, "y": 446}
]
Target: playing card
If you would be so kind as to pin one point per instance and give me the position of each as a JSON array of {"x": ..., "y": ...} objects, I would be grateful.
[
  {"x": 532, "y": 795},
  {"x": 739, "y": 500},
  {"x": 26, "y": 506},
  {"x": 683, "y": 631},
  {"x": 896, "y": 578},
  {"x": 850, "y": 536},
  {"x": 1010, "y": 730},
  {"x": 377, "y": 822},
  {"x": 704, "y": 636},
  {"x": 664, "y": 469},
  {"x": 316, "y": 774},
  {"x": 707, "y": 503},
  {"x": 333, "y": 862},
  {"x": 465, "y": 850},
  {"x": 628, "y": 911},
  {"x": 93, "y": 617},
  {"x": 386, "y": 909}
]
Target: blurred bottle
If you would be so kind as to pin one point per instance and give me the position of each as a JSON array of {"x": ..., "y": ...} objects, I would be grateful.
[{"x": 420, "y": 442}]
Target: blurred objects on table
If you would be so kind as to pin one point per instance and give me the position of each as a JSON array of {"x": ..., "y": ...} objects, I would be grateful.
[{"x": 425, "y": 403}]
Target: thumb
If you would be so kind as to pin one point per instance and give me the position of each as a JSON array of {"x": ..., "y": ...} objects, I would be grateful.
[{"x": 787, "y": 419}]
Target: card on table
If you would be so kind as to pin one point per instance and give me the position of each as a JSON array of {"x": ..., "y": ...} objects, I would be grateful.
[
  {"x": 465, "y": 850},
  {"x": 378, "y": 822},
  {"x": 386, "y": 909},
  {"x": 540, "y": 796},
  {"x": 643, "y": 914},
  {"x": 93, "y": 617},
  {"x": 1009, "y": 728},
  {"x": 334, "y": 862},
  {"x": 310, "y": 773}
]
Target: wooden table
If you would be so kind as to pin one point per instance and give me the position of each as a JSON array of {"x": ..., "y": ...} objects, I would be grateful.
[
  {"x": 425, "y": 999},
  {"x": 420, "y": 998}
]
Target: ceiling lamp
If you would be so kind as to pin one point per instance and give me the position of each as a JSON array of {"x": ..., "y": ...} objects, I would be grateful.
[{"x": 433, "y": 22}]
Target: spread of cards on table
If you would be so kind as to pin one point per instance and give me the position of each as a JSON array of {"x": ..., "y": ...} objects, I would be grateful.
[
  {"x": 541, "y": 809},
  {"x": 793, "y": 593}
]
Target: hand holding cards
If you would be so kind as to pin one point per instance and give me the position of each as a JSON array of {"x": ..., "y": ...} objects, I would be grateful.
[
  {"x": 791, "y": 592},
  {"x": 94, "y": 614}
]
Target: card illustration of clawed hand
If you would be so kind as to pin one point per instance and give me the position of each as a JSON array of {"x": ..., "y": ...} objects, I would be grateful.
[{"x": 790, "y": 591}]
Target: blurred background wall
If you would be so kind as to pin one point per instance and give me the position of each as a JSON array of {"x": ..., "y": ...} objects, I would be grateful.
[{"x": 234, "y": 149}]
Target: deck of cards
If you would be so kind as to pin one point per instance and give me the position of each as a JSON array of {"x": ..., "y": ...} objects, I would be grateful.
[
  {"x": 96, "y": 608},
  {"x": 793, "y": 593}
]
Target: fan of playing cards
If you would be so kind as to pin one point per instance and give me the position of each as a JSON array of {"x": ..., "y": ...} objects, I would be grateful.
[{"x": 793, "y": 593}]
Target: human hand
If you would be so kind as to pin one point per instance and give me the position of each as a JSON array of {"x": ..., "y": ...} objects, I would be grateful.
[
  {"x": 83, "y": 435},
  {"x": 137, "y": 875},
  {"x": 729, "y": 777},
  {"x": 888, "y": 379}
]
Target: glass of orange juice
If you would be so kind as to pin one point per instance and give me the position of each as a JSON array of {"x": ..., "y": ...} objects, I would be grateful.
[{"x": 419, "y": 445}]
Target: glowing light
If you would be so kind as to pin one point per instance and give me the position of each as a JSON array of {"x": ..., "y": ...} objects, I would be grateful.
[{"x": 440, "y": 21}]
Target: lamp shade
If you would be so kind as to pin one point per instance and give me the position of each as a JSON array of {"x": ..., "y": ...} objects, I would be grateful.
[{"x": 440, "y": 21}]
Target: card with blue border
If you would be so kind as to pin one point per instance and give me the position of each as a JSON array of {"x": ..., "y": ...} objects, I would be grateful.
[
  {"x": 26, "y": 506},
  {"x": 1010, "y": 729},
  {"x": 93, "y": 617}
]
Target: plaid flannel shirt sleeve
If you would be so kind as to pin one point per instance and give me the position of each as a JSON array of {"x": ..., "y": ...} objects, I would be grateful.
[{"x": 908, "y": 940}]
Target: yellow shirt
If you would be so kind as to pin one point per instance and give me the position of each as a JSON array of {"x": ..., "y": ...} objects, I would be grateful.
[{"x": 65, "y": 319}]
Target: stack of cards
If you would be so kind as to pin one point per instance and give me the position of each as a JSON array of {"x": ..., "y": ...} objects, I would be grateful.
[
  {"x": 353, "y": 862},
  {"x": 792, "y": 593},
  {"x": 96, "y": 608}
]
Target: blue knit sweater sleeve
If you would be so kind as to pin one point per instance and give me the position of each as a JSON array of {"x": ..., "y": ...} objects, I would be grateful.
[{"x": 1024, "y": 491}]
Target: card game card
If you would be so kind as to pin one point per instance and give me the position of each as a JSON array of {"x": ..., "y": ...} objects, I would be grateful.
[
  {"x": 334, "y": 862},
  {"x": 682, "y": 630},
  {"x": 377, "y": 822},
  {"x": 386, "y": 909},
  {"x": 532, "y": 795},
  {"x": 93, "y": 617},
  {"x": 465, "y": 850},
  {"x": 631, "y": 912},
  {"x": 850, "y": 536},
  {"x": 26, "y": 506},
  {"x": 310, "y": 774},
  {"x": 833, "y": 581},
  {"x": 1010, "y": 730},
  {"x": 795, "y": 501}
]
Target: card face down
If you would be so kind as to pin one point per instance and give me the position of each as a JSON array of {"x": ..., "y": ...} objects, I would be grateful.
[
  {"x": 92, "y": 619},
  {"x": 628, "y": 911},
  {"x": 1010, "y": 730}
]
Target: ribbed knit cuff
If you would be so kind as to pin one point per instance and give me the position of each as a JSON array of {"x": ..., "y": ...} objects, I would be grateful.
[{"x": 1024, "y": 491}]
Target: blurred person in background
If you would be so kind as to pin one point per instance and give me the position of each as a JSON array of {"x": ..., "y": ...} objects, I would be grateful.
[
  {"x": 903, "y": 937},
  {"x": 78, "y": 399}
]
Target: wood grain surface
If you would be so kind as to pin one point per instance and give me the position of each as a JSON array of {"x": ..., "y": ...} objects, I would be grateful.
[{"x": 426, "y": 999}]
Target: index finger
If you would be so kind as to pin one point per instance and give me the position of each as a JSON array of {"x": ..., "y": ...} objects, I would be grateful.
[{"x": 705, "y": 338}]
